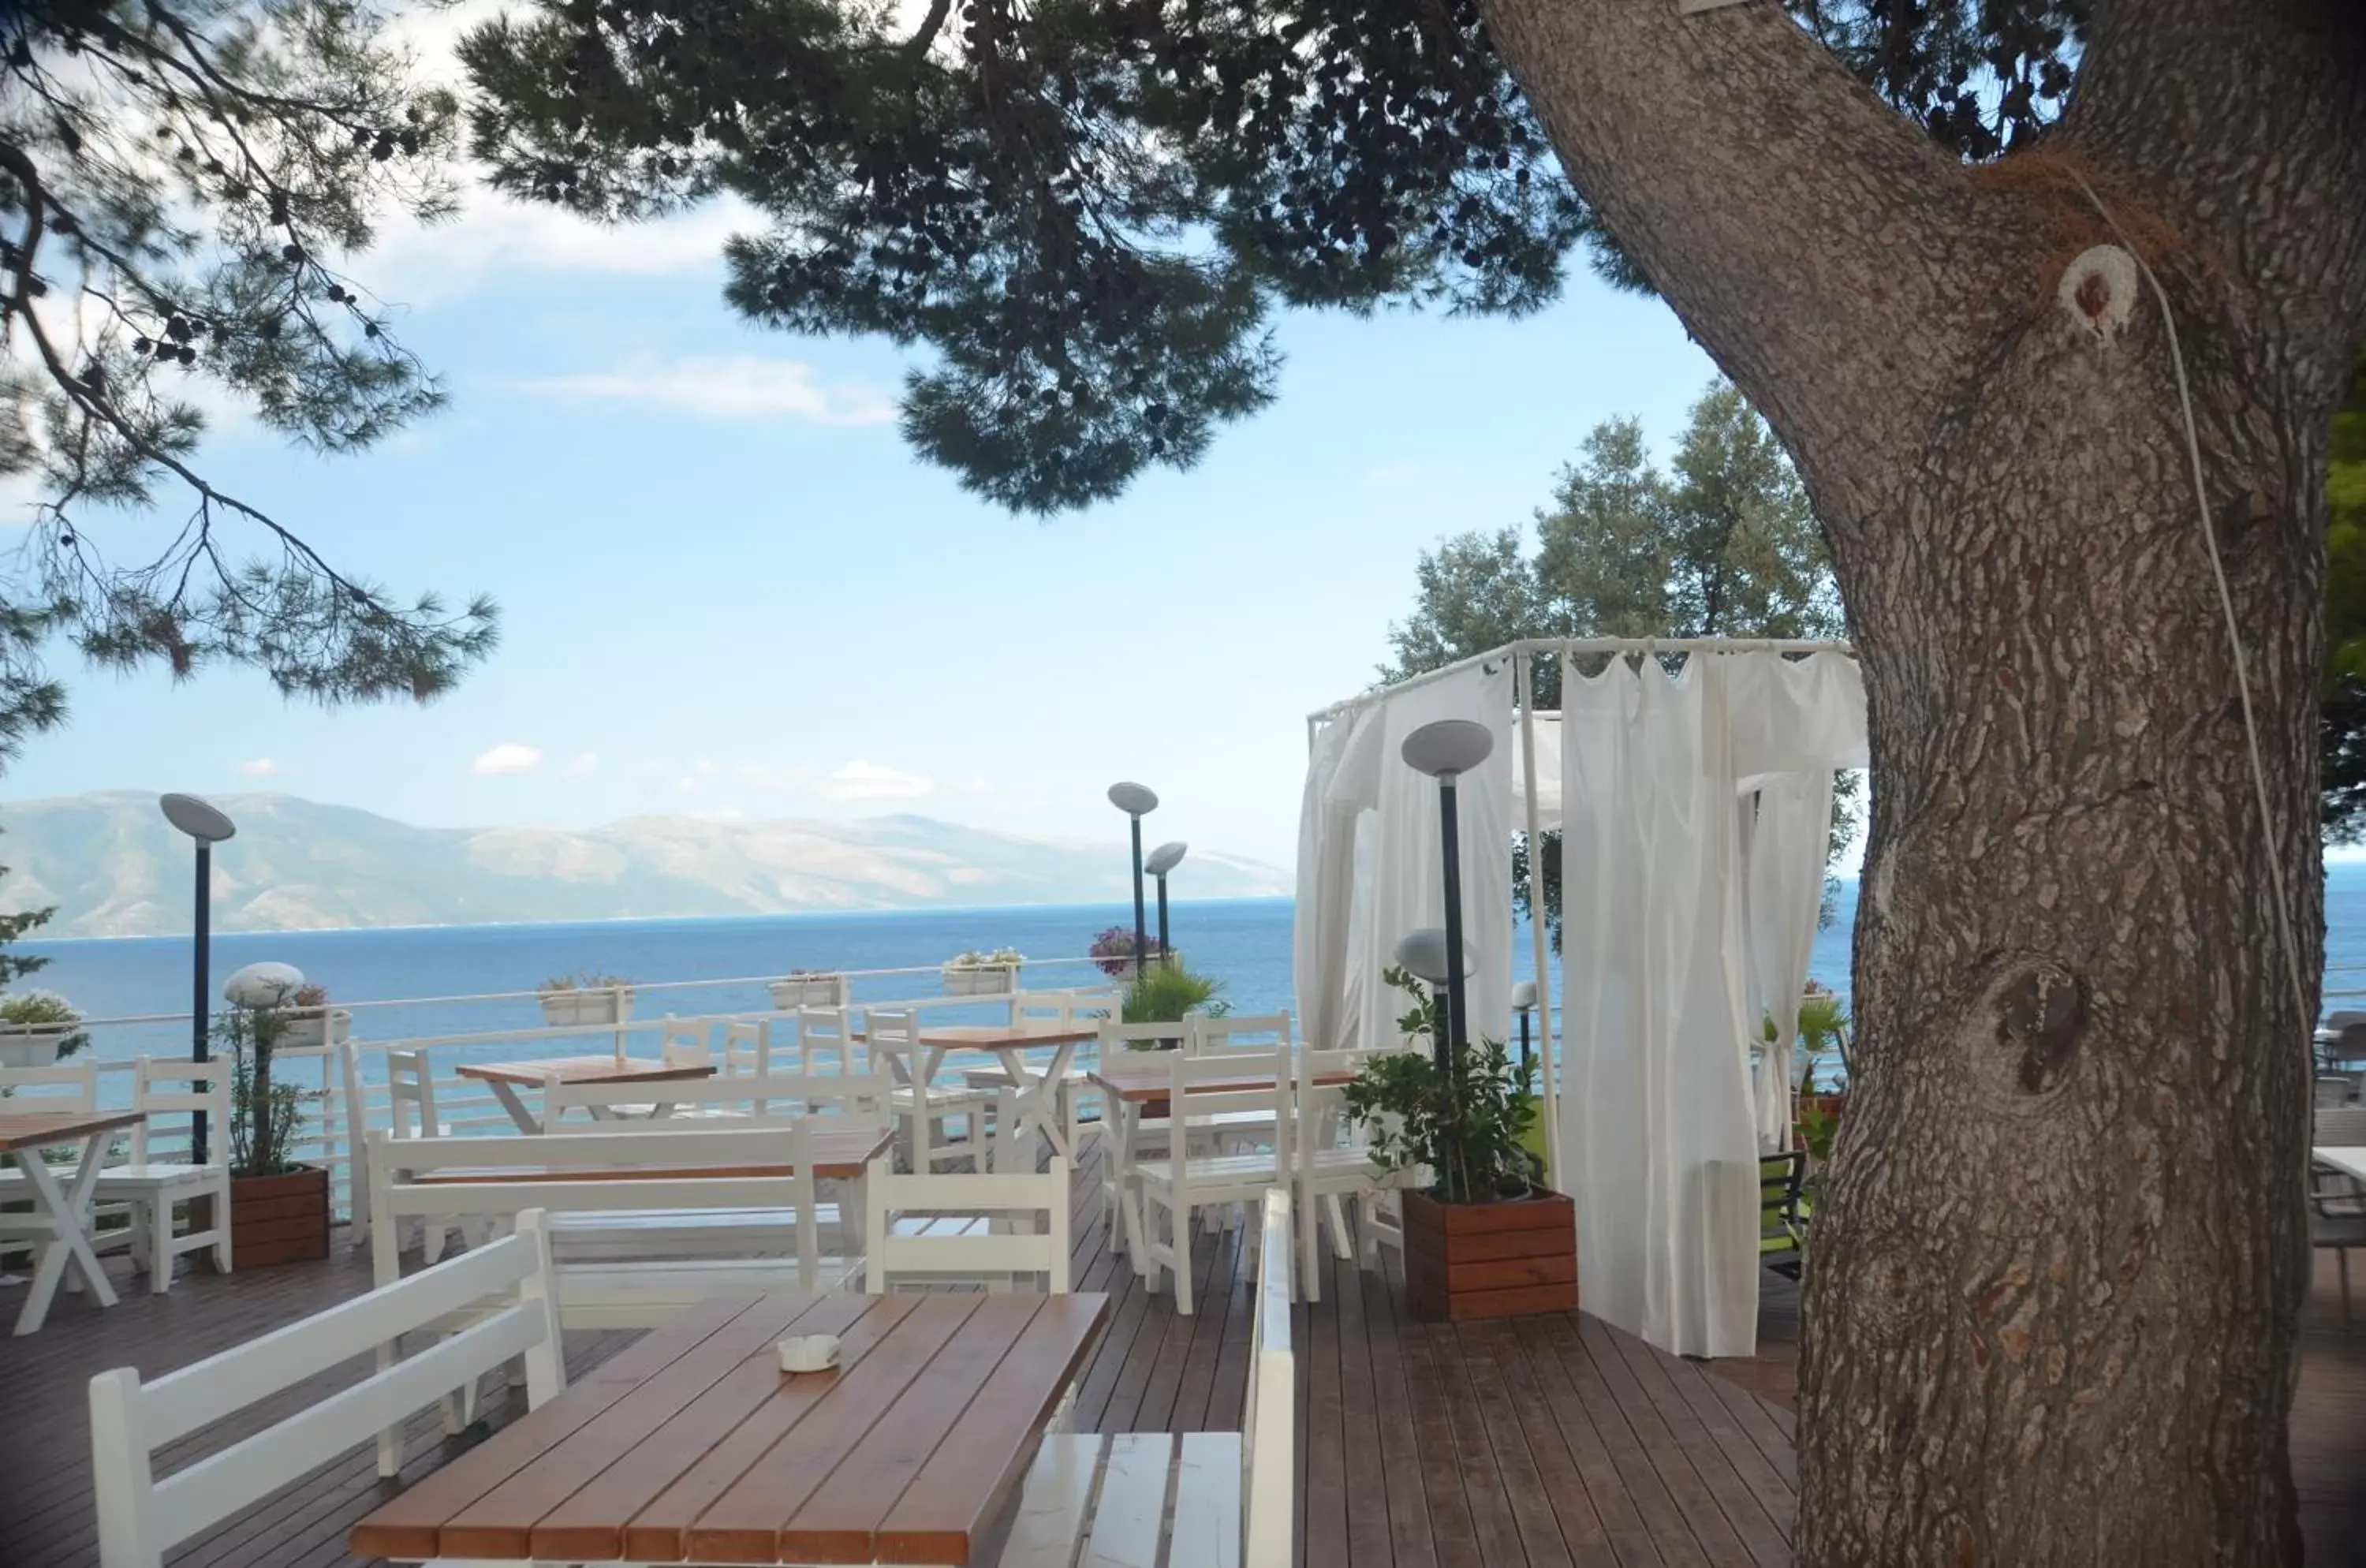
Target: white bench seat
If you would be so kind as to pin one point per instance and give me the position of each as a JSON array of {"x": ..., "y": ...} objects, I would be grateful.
[{"x": 1102, "y": 1501}]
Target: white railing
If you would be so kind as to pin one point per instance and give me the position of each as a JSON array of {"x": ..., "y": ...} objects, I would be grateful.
[{"x": 468, "y": 1107}]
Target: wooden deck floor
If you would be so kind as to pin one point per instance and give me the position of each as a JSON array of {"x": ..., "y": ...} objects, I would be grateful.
[{"x": 1551, "y": 1440}]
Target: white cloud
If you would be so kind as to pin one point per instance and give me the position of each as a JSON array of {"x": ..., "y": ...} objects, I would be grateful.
[
  {"x": 584, "y": 765},
  {"x": 260, "y": 768},
  {"x": 509, "y": 757},
  {"x": 741, "y": 386},
  {"x": 869, "y": 781}
]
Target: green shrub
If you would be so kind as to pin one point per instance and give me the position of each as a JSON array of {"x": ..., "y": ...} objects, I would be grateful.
[
  {"x": 1470, "y": 1125},
  {"x": 33, "y": 1010},
  {"x": 1169, "y": 993}
]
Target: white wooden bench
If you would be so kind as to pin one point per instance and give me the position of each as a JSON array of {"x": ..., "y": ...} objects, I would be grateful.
[
  {"x": 1102, "y": 1499},
  {"x": 508, "y": 1283},
  {"x": 719, "y": 1208}
]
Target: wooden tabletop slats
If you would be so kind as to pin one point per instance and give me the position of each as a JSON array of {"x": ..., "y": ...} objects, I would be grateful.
[
  {"x": 1143, "y": 1077},
  {"x": 579, "y": 1070},
  {"x": 40, "y": 1129},
  {"x": 960, "y": 1479},
  {"x": 699, "y": 1447}
]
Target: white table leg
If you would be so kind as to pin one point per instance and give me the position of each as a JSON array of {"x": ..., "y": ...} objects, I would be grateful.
[
  {"x": 66, "y": 1209},
  {"x": 514, "y": 1103}
]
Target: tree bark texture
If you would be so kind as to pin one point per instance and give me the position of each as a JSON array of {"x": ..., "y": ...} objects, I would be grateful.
[{"x": 2055, "y": 1270}]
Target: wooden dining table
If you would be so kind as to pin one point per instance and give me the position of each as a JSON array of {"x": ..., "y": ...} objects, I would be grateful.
[
  {"x": 507, "y": 1077},
  {"x": 62, "y": 1212},
  {"x": 692, "y": 1446},
  {"x": 1036, "y": 1089}
]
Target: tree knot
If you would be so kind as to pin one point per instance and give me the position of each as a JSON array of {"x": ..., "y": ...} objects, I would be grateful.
[
  {"x": 2042, "y": 1013},
  {"x": 2098, "y": 290}
]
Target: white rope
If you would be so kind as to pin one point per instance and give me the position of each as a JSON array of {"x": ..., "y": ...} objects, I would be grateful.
[{"x": 2234, "y": 632}]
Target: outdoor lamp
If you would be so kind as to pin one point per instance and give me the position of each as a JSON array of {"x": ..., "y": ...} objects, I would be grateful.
[
  {"x": 208, "y": 826},
  {"x": 1163, "y": 859},
  {"x": 1136, "y": 801},
  {"x": 1422, "y": 952},
  {"x": 1445, "y": 750},
  {"x": 261, "y": 985},
  {"x": 1524, "y": 1002}
]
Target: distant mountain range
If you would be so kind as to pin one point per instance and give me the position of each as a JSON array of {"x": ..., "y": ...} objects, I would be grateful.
[{"x": 114, "y": 867}]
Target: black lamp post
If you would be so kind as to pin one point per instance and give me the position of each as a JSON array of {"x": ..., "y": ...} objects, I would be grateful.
[
  {"x": 1163, "y": 859},
  {"x": 208, "y": 826},
  {"x": 1445, "y": 750},
  {"x": 1136, "y": 801}
]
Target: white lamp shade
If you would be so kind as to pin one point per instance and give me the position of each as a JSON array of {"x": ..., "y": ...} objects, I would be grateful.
[
  {"x": 1447, "y": 746},
  {"x": 1524, "y": 997},
  {"x": 262, "y": 985},
  {"x": 199, "y": 819},
  {"x": 1165, "y": 858},
  {"x": 1133, "y": 799},
  {"x": 1423, "y": 953}
]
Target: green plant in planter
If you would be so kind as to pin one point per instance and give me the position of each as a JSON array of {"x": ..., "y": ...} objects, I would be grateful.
[
  {"x": 41, "y": 1010},
  {"x": 583, "y": 980},
  {"x": 265, "y": 1115},
  {"x": 1466, "y": 1123},
  {"x": 1170, "y": 993}
]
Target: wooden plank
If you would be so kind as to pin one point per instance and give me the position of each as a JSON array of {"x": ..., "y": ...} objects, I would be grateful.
[
  {"x": 1635, "y": 1510},
  {"x": 1480, "y": 1247},
  {"x": 1451, "y": 1526},
  {"x": 965, "y": 1483},
  {"x": 1514, "y": 1301},
  {"x": 839, "y": 1521},
  {"x": 1049, "y": 1524},
  {"x": 1411, "y": 1544},
  {"x": 408, "y": 1527},
  {"x": 1323, "y": 1501},
  {"x": 1207, "y": 1532},
  {"x": 1696, "y": 1508},
  {"x": 730, "y": 1505},
  {"x": 1492, "y": 1479},
  {"x": 1718, "y": 1456},
  {"x": 1131, "y": 1506},
  {"x": 1509, "y": 1389},
  {"x": 1507, "y": 1273},
  {"x": 40, "y": 1129},
  {"x": 579, "y": 1069},
  {"x": 1423, "y": 1213}
]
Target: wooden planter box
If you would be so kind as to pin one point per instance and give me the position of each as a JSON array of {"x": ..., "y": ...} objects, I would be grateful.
[
  {"x": 992, "y": 980},
  {"x": 279, "y": 1219},
  {"x": 809, "y": 991},
  {"x": 1465, "y": 1260}
]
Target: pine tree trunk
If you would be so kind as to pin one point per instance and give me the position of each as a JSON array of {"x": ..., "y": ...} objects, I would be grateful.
[{"x": 2053, "y": 1278}]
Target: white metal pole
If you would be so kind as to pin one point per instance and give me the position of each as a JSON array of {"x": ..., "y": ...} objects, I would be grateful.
[{"x": 1523, "y": 688}]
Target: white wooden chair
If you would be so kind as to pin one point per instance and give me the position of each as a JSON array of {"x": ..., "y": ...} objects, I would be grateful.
[
  {"x": 1332, "y": 1165},
  {"x": 55, "y": 1085},
  {"x": 684, "y": 1045},
  {"x": 735, "y": 1205},
  {"x": 142, "y": 1516},
  {"x": 732, "y": 1099},
  {"x": 982, "y": 1241},
  {"x": 824, "y": 1036},
  {"x": 922, "y": 1108},
  {"x": 1103, "y": 1499},
  {"x": 153, "y": 1189},
  {"x": 1186, "y": 1180},
  {"x": 411, "y": 1114},
  {"x": 748, "y": 1047}
]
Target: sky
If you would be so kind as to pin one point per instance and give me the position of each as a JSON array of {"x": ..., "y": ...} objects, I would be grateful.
[{"x": 728, "y": 587}]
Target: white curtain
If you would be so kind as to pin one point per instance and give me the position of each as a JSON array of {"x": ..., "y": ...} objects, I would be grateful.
[
  {"x": 1656, "y": 1115},
  {"x": 1406, "y": 882},
  {"x": 1326, "y": 883},
  {"x": 1787, "y": 821}
]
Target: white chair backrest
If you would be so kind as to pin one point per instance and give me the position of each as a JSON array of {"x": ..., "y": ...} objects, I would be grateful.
[
  {"x": 894, "y": 1042},
  {"x": 411, "y": 1095},
  {"x": 704, "y": 1166},
  {"x": 141, "y": 1518},
  {"x": 748, "y": 1046},
  {"x": 2340, "y": 1127},
  {"x": 1039, "y": 1007},
  {"x": 1193, "y": 1093},
  {"x": 775, "y": 1097},
  {"x": 1118, "y": 1036},
  {"x": 684, "y": 1045},
  {"x": 823, "y": 1034},
  {"x": 1269, "y": 1031},
  {"x": 1269, "y": 1422},
  {"x": 179, "y": 1085},
  {"x": 1319, "y": 1109},
  {"x": 1005, "y": 1199},
  {"x": 56, "y": 1086}
]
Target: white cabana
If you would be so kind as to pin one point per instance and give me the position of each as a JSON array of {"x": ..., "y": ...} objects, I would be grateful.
[{"x": 1694, "y": 806}]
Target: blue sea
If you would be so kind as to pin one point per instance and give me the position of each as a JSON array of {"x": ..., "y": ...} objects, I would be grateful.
[{"x": 1246, "y": 943}]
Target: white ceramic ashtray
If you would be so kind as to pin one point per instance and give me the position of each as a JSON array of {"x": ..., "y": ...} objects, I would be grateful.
[{"x": 808, "y": 1353}]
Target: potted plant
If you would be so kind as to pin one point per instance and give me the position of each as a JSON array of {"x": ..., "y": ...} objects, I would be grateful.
[
  {"x": 312, "y": 1024},
  {"x": 585, "y": 997},
  {"x": 811, "y": 988},
  {"x": 37, "y": 1028},
  {"x": 278, "y": 1205},
  {"x": 1484, "y": 1238},
  {"x": 978, "y": 974},
  {"x": 1169, "y": 994},
  {"x": 1824, "y": 1047},
  {"x": 1112, "y": 950}
]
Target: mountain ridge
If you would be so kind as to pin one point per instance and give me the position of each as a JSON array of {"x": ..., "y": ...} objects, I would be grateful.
[{"x": 114, "y": 867}]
